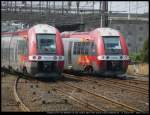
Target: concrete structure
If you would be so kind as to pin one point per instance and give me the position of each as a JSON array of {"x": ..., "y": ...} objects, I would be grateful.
[{"x": 134, "y": 31}]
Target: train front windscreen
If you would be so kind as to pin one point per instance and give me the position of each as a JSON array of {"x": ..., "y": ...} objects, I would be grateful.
[
  {"x": 112, "y": 45},
  {"x": 46, "y": 43}
]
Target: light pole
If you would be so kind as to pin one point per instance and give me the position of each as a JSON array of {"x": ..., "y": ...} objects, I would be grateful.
[
  {"x": 81, "y": 20},
  {"x": 129, "y": 12},
  {"x": 81, "y": 17},
  {"x": 110, "y": 22},
  {"x": 101, "y": 21}
]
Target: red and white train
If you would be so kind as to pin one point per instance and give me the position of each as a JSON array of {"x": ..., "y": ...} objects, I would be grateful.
[
  {"x": 103, "y": 51},
  {"x": 37, "y": 51}
]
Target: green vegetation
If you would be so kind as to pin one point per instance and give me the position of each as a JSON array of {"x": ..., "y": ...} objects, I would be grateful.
[{"x": 142, "y": 55}]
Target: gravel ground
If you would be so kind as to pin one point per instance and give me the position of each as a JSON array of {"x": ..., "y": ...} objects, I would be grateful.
[
  {"x": 133, "y": 99},
  {"x": 146, "y": 78},
  {"x": 8, "y": 102},
  {"x": 41, "y": 96}
]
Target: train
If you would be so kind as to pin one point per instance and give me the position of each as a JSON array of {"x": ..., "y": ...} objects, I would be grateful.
[
  {"x": 37, "y": 51},
  {"x": 102, "y": 51}
]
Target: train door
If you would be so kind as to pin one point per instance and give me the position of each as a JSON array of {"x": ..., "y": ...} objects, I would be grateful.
[
  {"x": 70, "y": 53},
  {"x": 67, "y": 52}
]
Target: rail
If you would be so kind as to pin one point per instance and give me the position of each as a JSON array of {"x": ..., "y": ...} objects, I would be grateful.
[{"x": 21, "y": 104}]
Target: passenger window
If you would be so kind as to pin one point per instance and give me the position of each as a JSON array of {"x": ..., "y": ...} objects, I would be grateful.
[
  {"x": 78, "y": 49},
  {"x": 22, "y": 47},
  {"x": 74, "y": 48},
  {"x": 81, "y": 48}
]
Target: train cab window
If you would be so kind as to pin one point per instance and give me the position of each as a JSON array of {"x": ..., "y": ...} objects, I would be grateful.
[
  {"x": 46, "y": 43},
  {"x": 112, "y": 44}
]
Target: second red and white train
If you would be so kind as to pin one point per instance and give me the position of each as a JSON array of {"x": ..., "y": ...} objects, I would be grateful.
[{"x": 102, "y": 51}]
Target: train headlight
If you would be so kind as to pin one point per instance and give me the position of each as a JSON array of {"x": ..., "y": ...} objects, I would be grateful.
[
  {"x": 39, "y": 57},
  {"x": 100, "y": 57},
  {"x": 34, "y": 57},
  {"x": 55, "y": 57},
  {"x": 107, "y": 57}
]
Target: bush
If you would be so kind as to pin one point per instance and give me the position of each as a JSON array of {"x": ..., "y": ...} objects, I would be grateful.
[
  {"x": 142, "y": 55},
  {"x": 135, "y": 57}
]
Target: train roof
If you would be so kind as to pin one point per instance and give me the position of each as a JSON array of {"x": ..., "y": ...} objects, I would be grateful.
[
  {"x": 72, "y": 39},
  {"x": 101, "y": 31},
  {"x": 38, "y": 28},
  {"x": 17, "y": 32},
  {"x": 75, "y": 39},
  {"x": 107, "y": 32}
]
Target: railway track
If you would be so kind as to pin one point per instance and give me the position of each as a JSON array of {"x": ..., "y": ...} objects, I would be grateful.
[
  {"x": 19, "y": 101},
  {"x": 141, "y": 75},
  {"x": 139, "y": 82},
  {"x": 95, "y": 87},
  {"x": 26, "y": 109},
  {"x": 90, "y": 106},
  {"x": 131, "y": 88},
  {"x": 118, "y": 104},
  {"x": 127, "y": 83}
]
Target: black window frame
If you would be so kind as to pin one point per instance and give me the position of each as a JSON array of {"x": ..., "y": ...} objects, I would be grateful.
[{"x": 38, "y": 44}]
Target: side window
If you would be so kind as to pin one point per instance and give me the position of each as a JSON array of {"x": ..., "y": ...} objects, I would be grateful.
[
  {"x": 78, "y": 48},
  {"x": 75, "y": 48},
  {"x": 86, "y": 48},
  {"x": 93, "y": 48},
  {"x": 22, "y": 47},
  {"x": 82, "y": 48}
]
